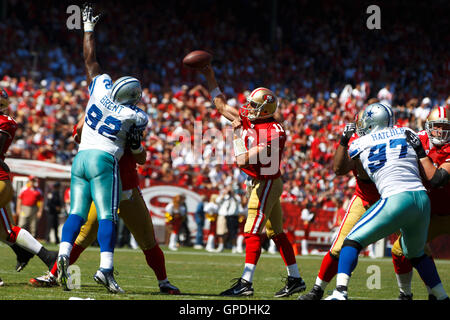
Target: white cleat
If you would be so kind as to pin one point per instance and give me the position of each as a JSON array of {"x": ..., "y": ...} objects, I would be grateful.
[
  {"x": 337, "y": 295},
  {"x": 106, "y": 278}
]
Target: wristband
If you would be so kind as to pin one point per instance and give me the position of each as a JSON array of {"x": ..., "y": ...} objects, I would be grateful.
[
  {"x": 239, "y": 147},
  {"x": 88, "y": 27},
  {"x": 215, "y": 92},
  {"x": 138, "y": 150}
]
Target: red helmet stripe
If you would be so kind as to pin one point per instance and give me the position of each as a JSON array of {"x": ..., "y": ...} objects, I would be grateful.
[{"x": 253, "y": 93}]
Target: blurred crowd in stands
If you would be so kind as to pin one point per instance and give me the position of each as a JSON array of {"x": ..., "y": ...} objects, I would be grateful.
[{"x": 319, "y": 58}]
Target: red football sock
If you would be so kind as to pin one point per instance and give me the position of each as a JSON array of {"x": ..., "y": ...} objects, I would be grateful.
[
  {"x": 401, "y": 264},
  {"x": 12, "y": 237},
  {"x": 252, "y": 248},
  {"x": 285, "y": 247},
  {"x": 75, "y": 253},
  {"x": 155, "y": 260},
  {"x": 329, "y": 267},
  {"x": 54, "y": 270}
]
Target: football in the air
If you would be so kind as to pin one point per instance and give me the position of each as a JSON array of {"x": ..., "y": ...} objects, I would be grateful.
[{"x": 197, "y": 59}]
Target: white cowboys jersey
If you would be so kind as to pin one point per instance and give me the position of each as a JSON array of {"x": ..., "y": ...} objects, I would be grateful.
[
  {"x": 106, "y": 124},
  {"x": 389, "y": 161}
]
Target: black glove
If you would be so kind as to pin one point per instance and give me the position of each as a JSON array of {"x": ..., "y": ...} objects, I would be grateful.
[
  {"x": 349, "y": 130},
  {"x": 415, "y": 142},
  {"x": 134, "y": 138}
]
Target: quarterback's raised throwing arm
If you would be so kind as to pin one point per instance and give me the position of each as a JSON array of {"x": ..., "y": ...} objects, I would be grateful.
[{"x": 217, "y": 96}]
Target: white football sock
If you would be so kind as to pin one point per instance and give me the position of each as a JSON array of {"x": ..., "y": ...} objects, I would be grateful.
[
  {"x": 404, "y": 282},
  {"x": 292, "y": 271},
  {"x": 106, "y": 260},
  {"x": 65, "y": 248},
  {"x": 249, "y": 271},
  {"x": 322, "y": 284},
  {"x": 27, "y": 241},
  {"x": 439, "y": 292},
  {"x": 342, "y": 279}
]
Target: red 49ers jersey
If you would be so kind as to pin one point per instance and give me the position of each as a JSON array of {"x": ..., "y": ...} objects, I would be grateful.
[
  {"x": 128, "y": 172},
  {"x": 439, "y": 155},
  {"x": 7, "y": 126},
  {"x": 264, "y": 132},
  {"x": 366, "y": 190}
]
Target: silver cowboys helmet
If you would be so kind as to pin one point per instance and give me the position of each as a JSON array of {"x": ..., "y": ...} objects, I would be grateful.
[
  {"x": 374, "y": 117},
  {"x": 126, "y": 90}
]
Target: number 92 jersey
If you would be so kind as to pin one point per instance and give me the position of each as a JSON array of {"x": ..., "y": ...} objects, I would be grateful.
[
  {"x": 106, "y": 123},
  {"x": 388, "y": 160}
]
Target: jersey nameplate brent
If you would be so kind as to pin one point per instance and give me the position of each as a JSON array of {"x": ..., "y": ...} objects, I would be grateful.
[{"x": 107, "y": 123}]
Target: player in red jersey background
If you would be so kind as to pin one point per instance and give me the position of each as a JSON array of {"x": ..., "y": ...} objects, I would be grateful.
[
  {"x": 258, "y": 152},
  {"x": 436, "y": 143},
  {"x": 18, "y": 238}
]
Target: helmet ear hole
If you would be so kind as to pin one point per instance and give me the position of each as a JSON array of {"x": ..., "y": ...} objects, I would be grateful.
[{"x": 126, "y": 90}]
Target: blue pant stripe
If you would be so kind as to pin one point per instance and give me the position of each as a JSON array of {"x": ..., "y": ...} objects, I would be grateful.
[
  {"x": 372, "y": 214},
  {"x": 114, "y": 192}
]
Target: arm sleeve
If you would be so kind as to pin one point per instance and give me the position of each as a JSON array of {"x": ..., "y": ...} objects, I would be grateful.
[
  {"x": 141, "y": 120},
  {"x": 355, "y": 149},
  {"x": 100, "y": 85}
]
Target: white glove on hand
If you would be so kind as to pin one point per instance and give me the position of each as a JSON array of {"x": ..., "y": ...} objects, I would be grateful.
[
  {"x": 349, "y": 129},
  {"x": 89, "y": 20}
]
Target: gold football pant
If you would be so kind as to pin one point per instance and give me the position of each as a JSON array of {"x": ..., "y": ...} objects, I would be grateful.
[
  {"x": 354, "y": 212},
  {"x": 439, "y": 225},
  {"x": 264, "y": 208},
  {"x": 136, "y": 217},
  {"x": 7, "y": 222}
]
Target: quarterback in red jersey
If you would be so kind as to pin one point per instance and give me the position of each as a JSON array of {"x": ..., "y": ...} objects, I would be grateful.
[
  {"x": 258, "y": 153},
  {"x": 435, "y": 141},
  {"x": 364, "y": 196},
  {"x": 135, "y": 214},
  {"x": 18, "y": 238}
]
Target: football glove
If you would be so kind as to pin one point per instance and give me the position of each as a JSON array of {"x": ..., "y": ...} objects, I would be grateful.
[
  {"x": 415, "y": 142},
  {"x": 349, "y": 130},
  {"x": 89, "y": 20},
  {"x": 134, "y": 138}
]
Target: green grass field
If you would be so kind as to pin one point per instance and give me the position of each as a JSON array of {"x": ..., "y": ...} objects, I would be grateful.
[{"x": 200, "y": 276}]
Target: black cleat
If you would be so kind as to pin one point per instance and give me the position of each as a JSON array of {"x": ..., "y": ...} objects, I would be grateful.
[
  {"x": 23, "y": 256},
  {"x": 292, "y": 286},
  {"x": 316, "y": 293},
  {"x": 168, "y": 288},
  {"x": 240, "y": 288},
  {"x": 404, "y": 296},
  {"x": 432, "y": 297}
]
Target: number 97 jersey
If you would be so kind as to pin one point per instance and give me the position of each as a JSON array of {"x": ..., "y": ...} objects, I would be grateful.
[
  {"x": 106, "y": 124},
  {"x": 388, "y": 160}
]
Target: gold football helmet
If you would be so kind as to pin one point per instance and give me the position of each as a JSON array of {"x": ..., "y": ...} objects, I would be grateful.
[
  {"x": 438, "y": 126},
  {"x": 261, "y": 103},
  {"x": 4, "y": 101}
]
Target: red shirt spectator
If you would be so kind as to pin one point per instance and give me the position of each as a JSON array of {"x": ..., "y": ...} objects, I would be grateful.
[{"x": 30, "y": 196}]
